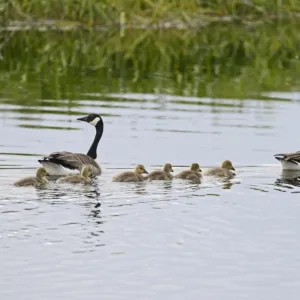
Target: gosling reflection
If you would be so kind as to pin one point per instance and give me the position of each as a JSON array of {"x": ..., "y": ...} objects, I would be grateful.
[
  {"x": 227, "y": 184},
  {"x": 139, "y": 188},
  {"x": 167, "y": 185}
]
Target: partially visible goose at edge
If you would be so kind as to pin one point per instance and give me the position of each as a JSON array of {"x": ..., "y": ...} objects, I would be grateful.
[
  {"x": 63, "y": 163},
  {"x": 289, "y": 161}
]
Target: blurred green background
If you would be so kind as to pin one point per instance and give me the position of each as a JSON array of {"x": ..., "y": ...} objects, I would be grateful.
[{"x": 53, "y": 49}]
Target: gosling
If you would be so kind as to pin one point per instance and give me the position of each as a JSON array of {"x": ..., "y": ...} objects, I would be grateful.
[
  {"x": 164, "y": 174},
  {"x": 193, "y": 174},
  {"x": 226, "y": 170},
  {"x": 132, "y": 176},
  {"x": 85, "y": 176},
  {"x": 39, "y": 180}
]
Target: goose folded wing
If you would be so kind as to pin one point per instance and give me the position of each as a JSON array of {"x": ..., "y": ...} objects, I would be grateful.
[{"x": 72, "y": 160}]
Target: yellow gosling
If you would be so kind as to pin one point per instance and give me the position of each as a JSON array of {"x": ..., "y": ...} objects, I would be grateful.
[
  {"x": 193, "y": 174},
  {"x": 226, "y": 170},
  {"x": 132, "y": 176},
  {"x": 39, "y": 180},
  {"x": 164, "y": 174},
  {"x": 85, "y": 176}
]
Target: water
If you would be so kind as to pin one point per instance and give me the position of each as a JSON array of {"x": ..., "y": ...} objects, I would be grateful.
[{"x": 216, "y": 240}]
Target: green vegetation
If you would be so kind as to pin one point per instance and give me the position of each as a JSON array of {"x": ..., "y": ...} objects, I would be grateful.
[
  {"x": 145, "y": 12},
  {"x": 255, "y": 50}
]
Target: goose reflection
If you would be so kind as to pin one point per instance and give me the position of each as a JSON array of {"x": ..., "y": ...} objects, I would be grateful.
[
  {"x": 59, "y": 194},
  {"x": 288, "y": 179}
]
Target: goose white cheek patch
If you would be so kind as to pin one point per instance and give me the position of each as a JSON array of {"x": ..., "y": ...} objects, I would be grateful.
[{"x": 95, "y": 121}]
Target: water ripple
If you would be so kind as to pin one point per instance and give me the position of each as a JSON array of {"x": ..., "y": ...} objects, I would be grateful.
[{"x": 231, "y": 239}]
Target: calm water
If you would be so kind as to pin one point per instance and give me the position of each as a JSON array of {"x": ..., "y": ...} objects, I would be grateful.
[{"x": 216, "y": 240}]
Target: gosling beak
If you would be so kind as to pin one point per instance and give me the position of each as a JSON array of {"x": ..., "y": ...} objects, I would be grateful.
[
  {"x": 145, "y": 172},
  {"x": 171, "y": 170},
  {"x": 83, "y": 119},
  {"x": 47, "y": 174},
  {"x": 233, "y": 168},
  {"x": 200, "y": 170}
]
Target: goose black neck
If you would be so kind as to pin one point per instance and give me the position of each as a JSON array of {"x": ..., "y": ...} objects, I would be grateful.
[{"x": 99, "y": 131}]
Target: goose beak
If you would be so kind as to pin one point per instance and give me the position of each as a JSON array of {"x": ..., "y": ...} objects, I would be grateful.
[
  {"x": 172, "y": 170},
  {"x": 145, "y": 172},
  {"x": 83, "y": 119},
  {"x": 233, "y": 168},
  {"x": 200, "y": 170}
]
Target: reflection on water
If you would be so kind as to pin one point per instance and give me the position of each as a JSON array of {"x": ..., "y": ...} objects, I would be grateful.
[
  {"x": 289, "y": 179},
  {"x": 218, "y": 239}
]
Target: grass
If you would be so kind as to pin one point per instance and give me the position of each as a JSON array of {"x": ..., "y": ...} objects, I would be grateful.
[
  {"x": 255, "y": 50},
  {"x": 221, "y": 60},
  {"x": 172, "y": 13}
]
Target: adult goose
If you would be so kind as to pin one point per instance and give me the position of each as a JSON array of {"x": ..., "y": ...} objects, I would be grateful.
[
  {"x": 63, "y": 163},
  {"x": 289, "y": 161}
]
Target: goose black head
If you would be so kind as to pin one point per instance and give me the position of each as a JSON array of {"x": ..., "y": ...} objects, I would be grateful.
[{"x": 92, "y": 119}]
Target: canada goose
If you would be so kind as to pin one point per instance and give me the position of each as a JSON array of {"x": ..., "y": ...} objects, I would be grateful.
[
  {"x": 224, "y": 171},
  {"x": 194, "y": 173},
  {"x": 84, "y": 176},
  {"x": 164, "y": 174},
  {"x": 289, "y": 161},
  {"x": 132, "y": 176},
  {"x": 39, "y": 180},
  {"x": 61, "y": 163}
]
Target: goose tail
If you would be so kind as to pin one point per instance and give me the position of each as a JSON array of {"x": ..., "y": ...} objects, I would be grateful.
[{"x": 56, "y": 169}]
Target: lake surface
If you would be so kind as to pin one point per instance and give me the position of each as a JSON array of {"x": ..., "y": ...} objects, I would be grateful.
[{"x": 216, "y": 240}]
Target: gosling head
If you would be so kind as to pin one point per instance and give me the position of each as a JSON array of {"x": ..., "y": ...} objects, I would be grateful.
[
  {"x": 93, "y": 119},
  {"x": 140, "y": 169},
  {"x": 168, "y": 168},
  {"x": 86, "y": 171},
  {"x": 227, "y": 164},
  {"x": 195, "y": 167},
  {"x": 41, "y": 172}
]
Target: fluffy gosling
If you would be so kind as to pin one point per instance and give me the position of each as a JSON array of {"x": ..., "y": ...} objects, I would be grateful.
[
  {"x": 85, "y": 176},
  {"x": 132, "y": 176},
  {"x": 164, "y": 174},
  {"x": 193, "y": 174},
  {"x": 39, "y": 180},
  {"x": 226, "y": 170}
]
